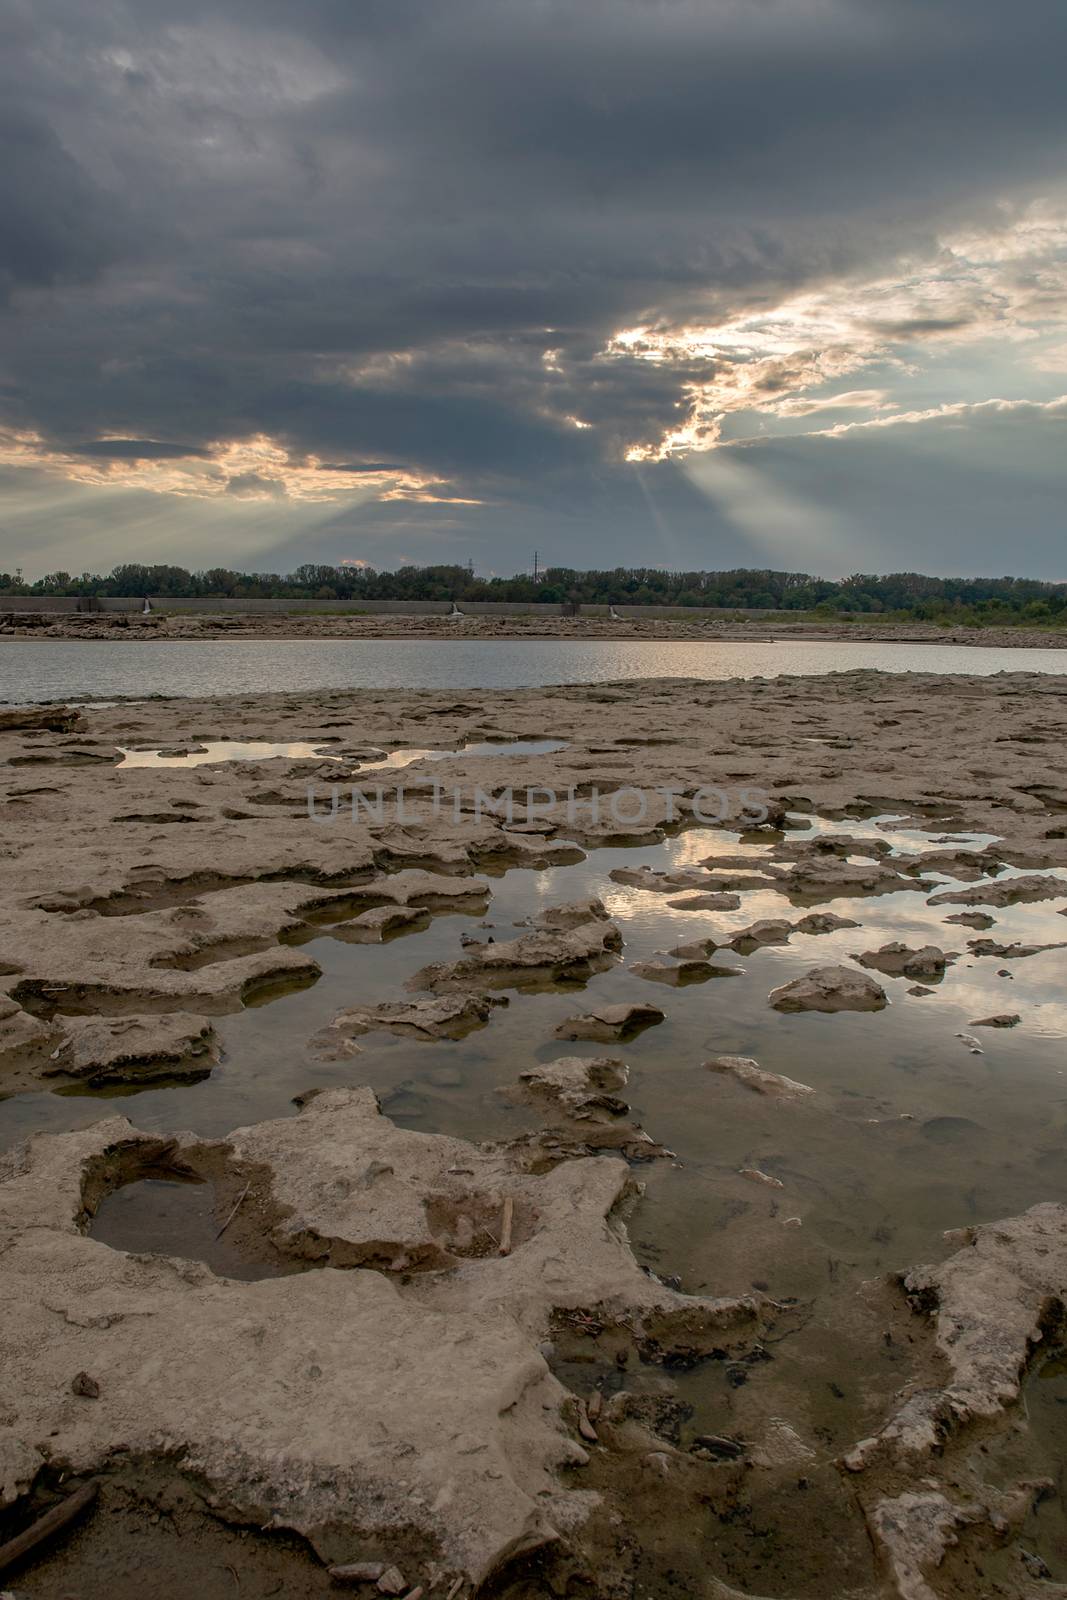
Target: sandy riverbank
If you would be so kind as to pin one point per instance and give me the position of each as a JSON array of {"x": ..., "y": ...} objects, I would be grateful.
[
  {"x": 488, "y": 1393},
  {"x": 159, "y": 626}
]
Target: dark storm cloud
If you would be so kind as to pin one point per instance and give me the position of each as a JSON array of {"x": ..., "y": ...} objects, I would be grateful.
[
  {"x": 57, "y": 225},
  {"x": 136, "y": 450},
  {"x": 397, "y": 233}
]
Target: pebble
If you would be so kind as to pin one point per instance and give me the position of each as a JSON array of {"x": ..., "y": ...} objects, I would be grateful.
[
  {"x": 585, "y": 1427},
  {"x": 392, "y": 1581},
  {"x": 85, "y": 1386},
  {"x": 717, "y": 1447},
  {"x": 358, "y": 1572},
  {"x": 754, "y": 1175}
]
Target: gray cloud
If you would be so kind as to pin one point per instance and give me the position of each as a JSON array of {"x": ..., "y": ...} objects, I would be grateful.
[
  {"x": 396, "y": 236},
  {"x": 136, "y": 450}
]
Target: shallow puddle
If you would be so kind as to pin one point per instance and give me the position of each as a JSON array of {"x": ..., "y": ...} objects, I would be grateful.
[{"x": 172, "y": 1217}]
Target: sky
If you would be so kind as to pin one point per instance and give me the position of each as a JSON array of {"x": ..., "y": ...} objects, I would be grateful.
[{"x": 681, "y": 283}]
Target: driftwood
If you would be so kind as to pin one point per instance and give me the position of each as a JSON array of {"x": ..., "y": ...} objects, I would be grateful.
[
  {"x": 47, "y": 1526},
  {"x": 505, "y": 1226},
  {"x": 236, "y": 1207}
]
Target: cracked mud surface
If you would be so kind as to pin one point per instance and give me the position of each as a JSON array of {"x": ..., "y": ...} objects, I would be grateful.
[{"x": 707, "y": 1362}]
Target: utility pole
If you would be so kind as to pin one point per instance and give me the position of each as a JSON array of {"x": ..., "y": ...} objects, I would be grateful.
[{"x": 536, "y": 554}]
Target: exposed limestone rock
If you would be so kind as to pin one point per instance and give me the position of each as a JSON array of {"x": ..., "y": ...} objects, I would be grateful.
[
  {"x": 414, "y": 887},
  {"x": 989, "y": 1303},
  {"x": 914, "y": 1531},
  {"x": 757, "y": 1175},
  {"x": 682, "y": 972},
  {"x": 606, "y": 1022},
  {"x": 19, "y": 1030},
  {"x": 371, "y": 927},
  {"x": 252, "y": 1388},
  {"x": 53, "y": 719},
  {"x": 1006, "y": 892},
  {"x": 841, "y": 845},
  {"x": 829, "y": 879},
  {"x": 544, "y": 956},
  {"x": 753, "y": 1076},
  {"x": 972, "y": 919},
  {"x": 349, "y": 1185},
  {"x": 459, "y": 1434},
  {"x": 664, "y": 882},
  {"x": 768, "y": 930},
  {"x": 448, "y": 1016},
  {"x": 573, "y": 915},
  {"x": 829, "y": 989},
  {"x": 19, "y": 1466},
  {"x": 579, "y": 1085},
  {"x": 134, "y": 1049},
  {"x": 697, "y": 949},
  {"x": 1011, "y": 952},
  {"x": 222, "y": 986},
  {"x": 823, "y": 922},
  {"x": 706, "y": 902},
  {"x": 897, "y": 960}
]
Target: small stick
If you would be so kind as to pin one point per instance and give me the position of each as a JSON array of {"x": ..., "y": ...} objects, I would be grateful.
[
  {"x": 505, "y": 1226},
  {"x": 45, "y": 1527},
  {"x": 456, "y": 1587},
  {"x": 236, "y": 1208}
]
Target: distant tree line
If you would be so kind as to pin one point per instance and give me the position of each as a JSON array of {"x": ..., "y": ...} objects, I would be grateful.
[{"x": 896, "y": 595}]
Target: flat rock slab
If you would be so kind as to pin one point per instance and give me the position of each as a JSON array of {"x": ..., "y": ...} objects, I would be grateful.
[
  {"x": 679, "y": 973},
  {"x": 448, "y": 1016},
  {"x": 898, "y": 960},
  {"x": 829, "y": 989},
  {"x": 51, "y": 719},
  {"x": 823, "y": 922},
  {"x": 754, "y": 1077},
  {"x": 988, "y": 1306},
  {"x": 408, "y": 1409},
  {"x": 605, "y": 1022},
  {"x": 1011, "y": 952},
  {"x": 1005, "y": 892},
  {"x": 546, "y": 955},
  {"x": 706, "y": 902},
  {"x": 580, "y": 1085},
  {"x": 829, "y": 879},
  {"x": 135, "y": 1049},
  {"x": 767, "y": 930}
]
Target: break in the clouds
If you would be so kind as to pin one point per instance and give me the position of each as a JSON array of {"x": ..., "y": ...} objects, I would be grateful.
[{"x": 678, "y": 282}]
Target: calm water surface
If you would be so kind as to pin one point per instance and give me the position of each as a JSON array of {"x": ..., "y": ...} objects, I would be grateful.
[{"x": 50, "y": 669}]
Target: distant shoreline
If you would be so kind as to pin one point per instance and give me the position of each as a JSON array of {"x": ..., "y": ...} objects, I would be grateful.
[{"x": 163, "y": 628}]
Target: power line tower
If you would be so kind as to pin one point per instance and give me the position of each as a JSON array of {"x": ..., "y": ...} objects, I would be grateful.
[{"x": 536, "y": 559}]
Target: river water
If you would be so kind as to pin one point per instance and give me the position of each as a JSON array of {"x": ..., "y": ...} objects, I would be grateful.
[{"x": 57, "y": 669}]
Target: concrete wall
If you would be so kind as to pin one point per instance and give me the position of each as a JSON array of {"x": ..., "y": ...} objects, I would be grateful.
[{"x": 62, "y": 605}]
